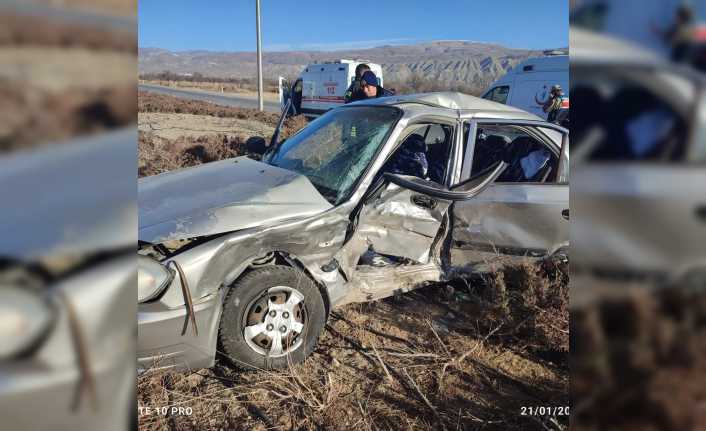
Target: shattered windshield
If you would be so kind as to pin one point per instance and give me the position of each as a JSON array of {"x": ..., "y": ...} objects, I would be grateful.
[{"x": 335, "y": 149}]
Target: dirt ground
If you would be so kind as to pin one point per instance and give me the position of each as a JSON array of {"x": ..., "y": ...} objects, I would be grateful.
[
  {"x": 437, "y": 358},
  {"x": 176, "y": 133},
  {"x": 62, "y": 80},
  {"x": 172, "y": 126}
]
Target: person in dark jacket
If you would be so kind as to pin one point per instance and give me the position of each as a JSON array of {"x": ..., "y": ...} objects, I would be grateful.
[
  {"x": 410, "y": 159},
  {"x": 354, "y": 91},
  {"x": 679, "y": 35},
  {"x": 371, "y": 88}
]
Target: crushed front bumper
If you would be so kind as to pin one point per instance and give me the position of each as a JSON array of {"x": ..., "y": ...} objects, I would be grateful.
[{"x": 167, "y": 338}]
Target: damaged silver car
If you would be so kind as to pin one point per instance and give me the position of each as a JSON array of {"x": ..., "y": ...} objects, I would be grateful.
[{"x": 246, "y": 258}]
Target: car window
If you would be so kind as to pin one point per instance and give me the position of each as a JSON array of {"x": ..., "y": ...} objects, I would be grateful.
[
  {"x": 529, "y": 159},
  {"x": 624, "y": 122},
  {"x": 423, "y": 153},
  {"x": 498, "y": 94},
  {"x": 334, "y": 150}
]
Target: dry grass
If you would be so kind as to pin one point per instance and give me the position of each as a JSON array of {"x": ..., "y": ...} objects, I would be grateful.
[
  {"x": 638, "y": 359},
  {"x": 34, "y": 116},
  {"x": 24, "y": 30},
  {"x": 157, "y": 155},
  {"x": 61, "y": 79},
  {"x": 152, "y": 102},
  {"x": 532, "y": 299},
  {"x": 233, "y": 85},
  {"x": 441, "y": 357},
  {"x": 111, "y": 7}
]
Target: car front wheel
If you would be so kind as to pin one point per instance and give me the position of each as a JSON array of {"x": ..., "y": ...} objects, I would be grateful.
[{"x": 271, "y": 317}]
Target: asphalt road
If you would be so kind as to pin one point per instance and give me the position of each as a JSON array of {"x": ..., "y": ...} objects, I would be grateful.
[{"x": 220, "y": 99}]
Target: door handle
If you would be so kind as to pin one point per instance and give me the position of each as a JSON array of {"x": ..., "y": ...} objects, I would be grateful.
[
  {"x": 423, "y": 201},
  {"x": 565, "y": 214}
]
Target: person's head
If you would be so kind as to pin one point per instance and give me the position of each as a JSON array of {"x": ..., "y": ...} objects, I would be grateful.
[
  {"x": 369, "y": 84},
  {"x": 556, "y": 90},
  {"x": 685, "y": 13},
  {"x": 360, "y": 70}
]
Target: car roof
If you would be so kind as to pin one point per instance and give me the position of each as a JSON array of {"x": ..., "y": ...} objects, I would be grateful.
[
  {"x": 452, "y": 103},
  {"x": 592, "y": 47}
]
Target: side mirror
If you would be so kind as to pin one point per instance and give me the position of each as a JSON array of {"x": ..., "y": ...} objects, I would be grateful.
[{"x": 256, "y": 145}]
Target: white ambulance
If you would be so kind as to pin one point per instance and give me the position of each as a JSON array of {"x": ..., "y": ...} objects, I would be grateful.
[
  {"x": 531, "y": 81},
  {"x": 321, "y": 86}
]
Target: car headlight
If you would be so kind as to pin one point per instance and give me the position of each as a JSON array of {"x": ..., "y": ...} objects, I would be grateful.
[
  {"x": 152, "y": 278},
  {"x": 25, "y": 318}
]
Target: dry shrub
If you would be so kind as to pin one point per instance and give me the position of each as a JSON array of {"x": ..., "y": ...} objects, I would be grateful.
[
  {"x": 19, "y": 30},
  {"x": 157, "y": 155},
  {"x": 152, "y": 102},
  {"x": 198, "y": 80},
  {"x": 637, "y": 358},
  {"x": 107, "y": 7},
  {"x": 530, "y": 300},
  {"x": 33, "y": 116},
  {"x": 292, "y": 125}
]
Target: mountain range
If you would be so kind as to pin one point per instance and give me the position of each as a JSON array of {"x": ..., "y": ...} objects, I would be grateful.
[{"x": 447, "y": 62}]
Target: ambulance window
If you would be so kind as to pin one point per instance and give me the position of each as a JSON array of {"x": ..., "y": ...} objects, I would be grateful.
[{"x": 498, "y": 94}]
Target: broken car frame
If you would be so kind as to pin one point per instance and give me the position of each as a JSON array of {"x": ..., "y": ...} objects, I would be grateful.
[{"x": 267, "y": 252}]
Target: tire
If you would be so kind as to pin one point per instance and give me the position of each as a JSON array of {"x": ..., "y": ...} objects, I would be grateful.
[{"x": 266, "y": 301}]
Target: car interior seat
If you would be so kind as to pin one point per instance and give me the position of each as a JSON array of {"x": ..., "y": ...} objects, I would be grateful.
[
  {"x": 437, "y": 157},
  {"x": 489, "y": 151},
  {"x": 626, "y": 108},
  {"x": 521, "y": 148},
  {"x": 404, "y": 161}
]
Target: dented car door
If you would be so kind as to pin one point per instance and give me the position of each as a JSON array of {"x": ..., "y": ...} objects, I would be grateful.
[
  {"x": 514, "y": 218},
  {"x": 404, "y": 219}
]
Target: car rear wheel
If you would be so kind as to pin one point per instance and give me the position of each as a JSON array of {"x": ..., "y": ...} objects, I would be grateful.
[{"x": 271, "y": 317}]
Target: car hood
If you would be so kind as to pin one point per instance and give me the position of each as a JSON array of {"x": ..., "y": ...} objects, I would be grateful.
[
  {"x": 222, "y": 196},
  {"x": 69, "y": 198}
]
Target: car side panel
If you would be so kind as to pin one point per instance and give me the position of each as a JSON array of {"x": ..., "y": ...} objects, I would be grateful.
[
  {"x": 394, "y": 225},
  {"x": 512, "y": 219}
]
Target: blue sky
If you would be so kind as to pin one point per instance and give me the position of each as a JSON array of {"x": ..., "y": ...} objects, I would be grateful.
[{"x": 229, "y": 25}]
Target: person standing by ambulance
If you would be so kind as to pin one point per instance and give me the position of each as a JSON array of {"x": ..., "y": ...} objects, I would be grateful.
[
  {"x": 680, "y": 33},
  {"x": 354, "y": 92},
  {"x": 554, "y": 103},
  {"x": 371, "y": 88}
]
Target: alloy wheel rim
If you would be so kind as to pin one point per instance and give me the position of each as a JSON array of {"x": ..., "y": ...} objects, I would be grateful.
[{"x": 275, "y": 322}]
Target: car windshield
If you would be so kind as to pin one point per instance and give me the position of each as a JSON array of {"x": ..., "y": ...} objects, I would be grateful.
[{"x": 334, "y": 150}]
